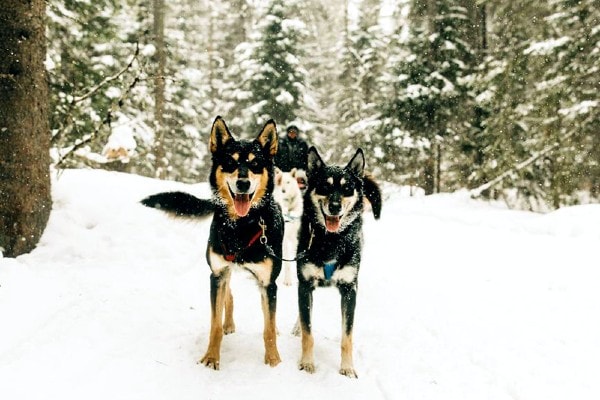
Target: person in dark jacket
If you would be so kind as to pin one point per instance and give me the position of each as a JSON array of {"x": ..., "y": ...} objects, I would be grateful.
[{"x": 292, "y": 152}]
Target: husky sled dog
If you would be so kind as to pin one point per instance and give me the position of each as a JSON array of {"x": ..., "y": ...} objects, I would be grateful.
[
  {"x": 289, "y": 196},
  {"x": 300, "y": 176},
  {"x": 329, "y": 244},
  {"x": 246, "y": 229}
]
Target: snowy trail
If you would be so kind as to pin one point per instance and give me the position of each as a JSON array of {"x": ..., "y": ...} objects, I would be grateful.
[{"x": 457, "y": 300}]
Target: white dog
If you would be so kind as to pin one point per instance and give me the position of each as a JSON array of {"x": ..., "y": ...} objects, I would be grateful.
[{"x": 289, "y": 196}]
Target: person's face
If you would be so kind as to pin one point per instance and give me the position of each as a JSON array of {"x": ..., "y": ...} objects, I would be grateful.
[{"x": 292, "y": 134}]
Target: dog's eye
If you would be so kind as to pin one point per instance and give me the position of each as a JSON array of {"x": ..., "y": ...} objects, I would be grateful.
[
  {"x": 323, "y": 190},
  {"x": 255, "y": 166},
  {"x": 229, "y": 164},
  {"x": 347, "y": 190}
]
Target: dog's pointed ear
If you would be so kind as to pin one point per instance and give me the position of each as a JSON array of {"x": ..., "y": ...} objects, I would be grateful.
[
  {"x": 314, "y": 160},
  {"x": 219, "y": 135},
  {"x": 268, "y": 138},
  {"x": 357, "y": 164}
]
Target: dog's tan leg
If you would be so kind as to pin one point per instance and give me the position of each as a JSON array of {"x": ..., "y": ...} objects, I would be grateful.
[
  {"x": 218, "y": 291},
  {"x": 305, "y": 297},
  {"x": 269, "y": 301},
  {"x": 307, "y": 362},
  {"x": 348, "y": 293},
  {"x": 347, "y": 366},
  {"x": 228, "y": 325}
]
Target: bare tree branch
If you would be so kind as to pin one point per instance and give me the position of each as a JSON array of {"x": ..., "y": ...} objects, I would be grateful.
[
  {"x": 108, "y": 79},
  {"x": 109, "y": 115},
  {"x": 477, "y": 191}
]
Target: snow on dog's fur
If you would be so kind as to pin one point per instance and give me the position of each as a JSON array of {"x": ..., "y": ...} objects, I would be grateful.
[
  {"x": 289, "y": 196},
  {"x": 245, "y": 219},
  {"x": 330, "y": 244}
]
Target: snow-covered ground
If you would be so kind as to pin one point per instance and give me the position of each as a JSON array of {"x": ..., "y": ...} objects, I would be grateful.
[{"x": 458, "y": 299}]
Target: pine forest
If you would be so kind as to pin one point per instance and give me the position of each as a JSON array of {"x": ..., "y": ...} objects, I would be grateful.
[{"x": 499, "y": 98}]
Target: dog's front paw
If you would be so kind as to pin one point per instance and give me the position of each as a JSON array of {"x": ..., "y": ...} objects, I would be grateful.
[
  {"x": 272, "y": 359},
  {"x": 307, "y": 366},
  {"x": 228, "y": 328},
  {"x": 210, "y": 362},
  {"x": 349, "y": 372}
]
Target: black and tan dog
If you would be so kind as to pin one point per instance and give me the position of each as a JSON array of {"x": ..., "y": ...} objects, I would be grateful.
[
  {"x": 329, "y": 244},
  {"x": 246, "y": 229}
]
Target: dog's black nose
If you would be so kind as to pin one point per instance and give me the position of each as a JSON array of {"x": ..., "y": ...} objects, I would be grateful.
[
  {"x": 335, "y": 207},
  {"x": 242, "y": 185}
]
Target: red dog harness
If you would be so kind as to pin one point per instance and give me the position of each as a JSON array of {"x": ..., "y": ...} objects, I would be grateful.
[{"x": 258, "y": 235}]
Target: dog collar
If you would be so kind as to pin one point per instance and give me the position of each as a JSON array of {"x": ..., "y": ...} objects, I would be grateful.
[{"x": 329, "y": 268}]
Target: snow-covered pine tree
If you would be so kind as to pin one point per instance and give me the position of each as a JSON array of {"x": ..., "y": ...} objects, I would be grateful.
[
  {"x": 186, "y": 92},
  {"x": 567, "y": 60},
  {"x": 239, "y": 22},
  {"x": 370, "y": 44},
  {"x": 101, "y": 100},
  {"x": 348, "y": 103},
  {"x": 534, "y": 109},
  {"x": 504, "y": 91},
  {"x": 430, "y": 87},
  {"x": 190, "y": 87},
  {"x": 362, "y": 60},
  {"x": 278, "y": 88},
  {"x": 324, "y": 26},
  {"x": 83, "y": 63}
]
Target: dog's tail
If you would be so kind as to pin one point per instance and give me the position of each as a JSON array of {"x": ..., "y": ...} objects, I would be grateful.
[
  {"x": 373, "y": 194},
  {"x": 180, "y": 204}
]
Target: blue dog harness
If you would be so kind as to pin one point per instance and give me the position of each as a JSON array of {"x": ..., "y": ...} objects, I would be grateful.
[{"x": 329, "y": 268}]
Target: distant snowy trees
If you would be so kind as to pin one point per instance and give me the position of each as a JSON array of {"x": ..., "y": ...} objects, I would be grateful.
[
  {"x": 500, "y": 92},
  {"x": 533, "y": 89},
  {"x": 361, "y": 65},
  {"x": 493, "y": 96},
  {"x": 430, "y": 87},
  {"x": 277, "y": 87}
]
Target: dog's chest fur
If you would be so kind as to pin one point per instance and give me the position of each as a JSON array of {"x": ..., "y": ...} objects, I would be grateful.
[
  {"x": 343, "y": 249},
  {"x": 232, "y": 237}
]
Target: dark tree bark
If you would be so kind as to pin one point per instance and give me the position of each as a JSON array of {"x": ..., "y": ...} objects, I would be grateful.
[
  {"x": 159, "y": 89},
  {"x": 25, "y": 200},
  {"x": 476, "y": 30}
]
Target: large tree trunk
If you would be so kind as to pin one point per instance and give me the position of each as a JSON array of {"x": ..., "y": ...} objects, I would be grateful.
[{"x": 25, "y": 200}]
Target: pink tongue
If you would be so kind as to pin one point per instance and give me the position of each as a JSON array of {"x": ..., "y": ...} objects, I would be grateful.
[
  {"x": 241, "y": 202},
  {"x": 332, "y": 223}
]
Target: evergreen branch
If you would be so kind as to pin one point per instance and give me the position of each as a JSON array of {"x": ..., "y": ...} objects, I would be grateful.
[
  {"x": 108, "y": 79},
  {"x": 10, "y": 77},
  {"x": 106, "y": 121},
  {"x": 70, "y": 105},
  {"x": 548, "y": 149}
]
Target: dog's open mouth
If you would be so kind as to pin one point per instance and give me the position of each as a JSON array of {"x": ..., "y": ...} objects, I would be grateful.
[
  {"x": 332, "y": 222},
  {"x": 241, "y": 202}
]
